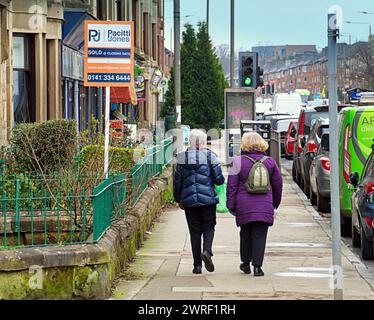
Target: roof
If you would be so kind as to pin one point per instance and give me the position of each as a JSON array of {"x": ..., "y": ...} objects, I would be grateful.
[{"x": 73, "y": 28}]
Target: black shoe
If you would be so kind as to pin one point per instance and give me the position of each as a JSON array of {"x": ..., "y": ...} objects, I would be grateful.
[
  {"x": 196, "y": 270},
  {"x": 257, "y": 272},
  {"x": 205, "y": 256},
  {"x": 246, "y": 268}
]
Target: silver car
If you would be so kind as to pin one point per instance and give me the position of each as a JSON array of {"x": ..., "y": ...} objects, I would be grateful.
[{"x": 320, "y": 176}]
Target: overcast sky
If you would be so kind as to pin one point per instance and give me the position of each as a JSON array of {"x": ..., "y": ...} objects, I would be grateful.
[{"x": 274, "y": 22}]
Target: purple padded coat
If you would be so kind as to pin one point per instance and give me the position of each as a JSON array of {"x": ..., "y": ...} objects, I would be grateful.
[{"x": 252, "y": 207}]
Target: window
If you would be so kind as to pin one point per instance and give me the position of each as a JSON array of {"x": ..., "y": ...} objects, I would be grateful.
[
  {"x": 369, "y": 170},
  {"x": 119, "y": 10},
  {"x": 154, "y": 42},
  {"x": 145, "y": 32},
  {"x": 23, "y": 79}
]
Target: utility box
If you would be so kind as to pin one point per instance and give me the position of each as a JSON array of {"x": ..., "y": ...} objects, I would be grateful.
[{"x": 239, "y": 105}]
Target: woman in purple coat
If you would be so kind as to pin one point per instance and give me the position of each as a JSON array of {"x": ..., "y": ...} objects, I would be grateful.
[{"x": 254, "y": 212}]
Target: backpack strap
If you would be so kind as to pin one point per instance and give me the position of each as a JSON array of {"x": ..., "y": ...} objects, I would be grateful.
[
  {"x": 251, "y": 159},
  {"x": 263, "y": 159}
]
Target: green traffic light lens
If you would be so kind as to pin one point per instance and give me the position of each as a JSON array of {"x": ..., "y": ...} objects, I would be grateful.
[{"x": 248, "y": 81}]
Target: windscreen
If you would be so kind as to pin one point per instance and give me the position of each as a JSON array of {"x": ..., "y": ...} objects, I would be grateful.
[
  {"x": 310, "y": 116},
  {"x": 284, "y": 124}
]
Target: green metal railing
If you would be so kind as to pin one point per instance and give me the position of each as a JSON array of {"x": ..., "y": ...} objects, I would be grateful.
[
  {"x": 109, "y": 204},
  {"x": 53, "y": 210},
  {"x": 156, "y": 158},
  {"x": 38, "y": 210},
  {"x": 41, "y": 210}
]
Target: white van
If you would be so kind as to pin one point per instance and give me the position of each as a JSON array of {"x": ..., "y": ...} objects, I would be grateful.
[{"x": 287, "y": 103}]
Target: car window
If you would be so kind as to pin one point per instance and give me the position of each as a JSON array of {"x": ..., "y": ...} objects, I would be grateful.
[
  {"x": 325, "y": 143},
  {"x": 369, "y": 169},
  {"x": 293, "y": 131},
  {"x": 310, "y": 116},
  {"x": 283, "y": 125}
]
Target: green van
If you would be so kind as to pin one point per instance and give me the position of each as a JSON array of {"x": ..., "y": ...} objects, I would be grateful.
[{"x": 356, "y": 133}]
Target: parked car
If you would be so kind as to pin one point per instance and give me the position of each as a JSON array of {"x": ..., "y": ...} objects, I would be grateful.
[
  {"x": 289, "y": 140},
  {"x": 320, "y": 175},
  {"x": 310, "y": 148},
  {"x": 288, "y": 103},
  {"x": 307, "y": 115},
  {"x": 281, "y": 125},
  {"x": 356, "y": 129},
  {"x": 362, "y": 202},
  {"x": 269, "y": 116}
]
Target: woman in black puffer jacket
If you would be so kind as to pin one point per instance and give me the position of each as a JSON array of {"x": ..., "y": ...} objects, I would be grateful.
[{"x": 198, "y": 170}]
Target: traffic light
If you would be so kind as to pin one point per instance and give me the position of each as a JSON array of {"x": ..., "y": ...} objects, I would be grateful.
[
  {"x": 247, "y": 69},
  {"x": 259, "y": 77}
]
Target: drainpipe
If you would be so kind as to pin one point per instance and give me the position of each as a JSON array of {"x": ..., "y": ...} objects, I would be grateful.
[{"x": 76, "y": 103}]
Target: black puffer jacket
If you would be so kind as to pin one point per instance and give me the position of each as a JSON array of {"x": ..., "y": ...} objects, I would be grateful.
[{"x": 198, "y": 170}]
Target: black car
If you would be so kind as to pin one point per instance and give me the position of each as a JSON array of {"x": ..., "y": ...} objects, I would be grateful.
[
  {"x": 362, "y": 202},
  {"x": 306, "y": 117},
  {"x": 300, "y": 166},
  {"x": 310, "y": 148}
]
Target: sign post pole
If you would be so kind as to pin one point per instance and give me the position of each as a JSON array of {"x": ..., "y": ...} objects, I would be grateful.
[
  {"x": 334, "y": 138},
  {"x": 107, "y": 124},
  {"x": 108, "y": 62}
]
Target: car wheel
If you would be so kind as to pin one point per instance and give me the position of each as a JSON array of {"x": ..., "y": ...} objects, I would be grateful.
[
  {"x": 345, "y": 227},
  {"x": 306, "y": 188},
  {"x": 367, "y": 250},
  {"x": 294, "y": 172},
  {"x": 322, "y": 204},
  {"x": 312, "y": 196},
  {"x": 356, "y": 238},
  {"x": 300, "y": 181}
]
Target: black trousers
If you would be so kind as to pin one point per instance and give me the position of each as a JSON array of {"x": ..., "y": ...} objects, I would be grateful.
[
  {"x": 252, "y": 242},
  {"x": 201, "y": 223}
]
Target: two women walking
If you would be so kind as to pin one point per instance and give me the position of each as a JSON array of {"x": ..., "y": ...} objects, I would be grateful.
[{"x": 254, "y": 190}]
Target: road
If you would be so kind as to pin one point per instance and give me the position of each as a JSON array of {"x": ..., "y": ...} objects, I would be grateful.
[
  {"x": 297, "y": 262},
  {"x": 287, "y": 164}
]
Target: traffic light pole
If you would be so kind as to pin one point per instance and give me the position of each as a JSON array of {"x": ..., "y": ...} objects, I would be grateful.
[
  {"x": 232, "y": 44},
  {"x": 334, "y": 159}
]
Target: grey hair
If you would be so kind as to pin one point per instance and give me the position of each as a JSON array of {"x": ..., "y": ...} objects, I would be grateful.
[{"x": 198, "y": 137}]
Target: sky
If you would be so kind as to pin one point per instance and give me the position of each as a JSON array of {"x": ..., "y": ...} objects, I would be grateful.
[{"x": 273, "y": 22}]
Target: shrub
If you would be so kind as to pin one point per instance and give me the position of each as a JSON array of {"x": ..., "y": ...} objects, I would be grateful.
[
  {"x": 120, "y": 159},
  {"x": 46, "y": 146}
]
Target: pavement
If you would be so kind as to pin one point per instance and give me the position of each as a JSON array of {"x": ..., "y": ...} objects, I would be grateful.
[{"x": 297, "y": 261}]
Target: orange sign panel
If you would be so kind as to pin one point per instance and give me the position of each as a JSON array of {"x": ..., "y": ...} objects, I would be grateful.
[{"x": 109, "y": 53}]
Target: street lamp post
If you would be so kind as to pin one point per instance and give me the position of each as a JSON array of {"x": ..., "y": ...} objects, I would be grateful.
[
  {"x": 364, "y": 23},
  {"x": 177, "y": 66},
  {"x": 232, "y": 43}
]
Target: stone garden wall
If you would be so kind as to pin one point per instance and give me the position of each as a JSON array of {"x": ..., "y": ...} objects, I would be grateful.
[{"x": 82, "y": 271}]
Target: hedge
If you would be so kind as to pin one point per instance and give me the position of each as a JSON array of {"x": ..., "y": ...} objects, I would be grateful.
[
  {"x": 120, "y": 159},
  {"x": 48, "y": 145}
]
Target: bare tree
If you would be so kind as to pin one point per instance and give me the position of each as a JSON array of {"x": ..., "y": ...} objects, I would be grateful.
[{"x": 362, "y": 63}]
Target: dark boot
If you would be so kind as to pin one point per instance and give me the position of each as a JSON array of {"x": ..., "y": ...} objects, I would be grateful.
[
  {"x": 196, "y": 270},
  {"x": 246, "y": 268},
  {"x": 257, "y": 272}
]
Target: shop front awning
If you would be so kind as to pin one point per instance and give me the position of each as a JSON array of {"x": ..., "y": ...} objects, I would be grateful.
[{"x": 123, "y": 95}]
